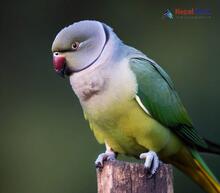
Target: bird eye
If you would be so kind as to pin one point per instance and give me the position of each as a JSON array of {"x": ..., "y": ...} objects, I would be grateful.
[
  {"x": 75, "y": 45},
  {"x": 56, "y": 53}
]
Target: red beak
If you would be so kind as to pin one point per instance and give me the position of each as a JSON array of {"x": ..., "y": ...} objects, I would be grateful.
[{"x": 59, "y": 63}]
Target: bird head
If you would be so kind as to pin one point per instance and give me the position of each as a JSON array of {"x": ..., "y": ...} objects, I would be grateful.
[{"x": 78, "y": 46}]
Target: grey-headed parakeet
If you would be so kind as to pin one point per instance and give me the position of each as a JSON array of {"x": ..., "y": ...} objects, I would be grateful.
[{"x": 130, "y": 102}]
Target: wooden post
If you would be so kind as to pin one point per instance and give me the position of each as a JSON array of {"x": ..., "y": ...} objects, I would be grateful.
[{"x": 124, "y": 177}]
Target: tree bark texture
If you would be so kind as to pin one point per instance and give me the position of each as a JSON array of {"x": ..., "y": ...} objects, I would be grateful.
[{"x": 124, "y": 177}]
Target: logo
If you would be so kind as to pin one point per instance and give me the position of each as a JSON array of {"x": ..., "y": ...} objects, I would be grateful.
[
  {"x": 191, "y": 13},
  {"x": 168, "y": 14}
]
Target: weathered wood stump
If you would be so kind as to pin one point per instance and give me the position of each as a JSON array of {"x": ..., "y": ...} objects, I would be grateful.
[{"x": 124, "y": 177}]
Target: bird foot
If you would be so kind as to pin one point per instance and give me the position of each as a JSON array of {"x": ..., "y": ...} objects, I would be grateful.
[
  {"x": 151, "y": 162},
  {"x": 109, "y": 155}
]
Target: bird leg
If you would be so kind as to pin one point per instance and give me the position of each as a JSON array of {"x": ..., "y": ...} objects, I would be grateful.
[
  {"x": 109, "y": 155},
  {"x": 151, "y": 162}
]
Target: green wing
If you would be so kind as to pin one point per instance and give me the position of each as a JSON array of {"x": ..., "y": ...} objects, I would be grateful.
[{"x": 157, "y": 94}]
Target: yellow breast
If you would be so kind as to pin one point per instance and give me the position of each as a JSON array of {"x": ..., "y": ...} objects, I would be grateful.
[{"x": 129, "y": 130}]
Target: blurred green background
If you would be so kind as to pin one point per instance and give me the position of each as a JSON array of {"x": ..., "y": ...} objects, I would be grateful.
[{"x": 45, "y": 144}]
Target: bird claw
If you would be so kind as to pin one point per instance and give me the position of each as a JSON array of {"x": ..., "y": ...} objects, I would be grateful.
[
  {"x": 151, "y": 162},
  {"x": 107, "y": 156}
]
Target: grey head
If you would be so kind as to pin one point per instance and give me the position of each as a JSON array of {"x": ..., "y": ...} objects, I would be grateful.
[{"x": 79, "y": 46}]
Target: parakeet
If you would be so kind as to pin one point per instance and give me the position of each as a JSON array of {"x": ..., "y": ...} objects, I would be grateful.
[{"x": 130, "y": 102}]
